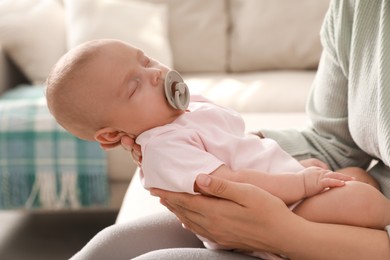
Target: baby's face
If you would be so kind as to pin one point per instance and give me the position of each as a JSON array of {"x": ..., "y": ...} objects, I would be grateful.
[{"x": 130, "y": 88}]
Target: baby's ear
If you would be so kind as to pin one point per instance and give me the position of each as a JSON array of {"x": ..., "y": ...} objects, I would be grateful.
[{"x": 108, "y": 135}]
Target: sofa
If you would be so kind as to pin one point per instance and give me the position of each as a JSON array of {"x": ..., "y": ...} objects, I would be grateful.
[{"x": 258, "y": 57}]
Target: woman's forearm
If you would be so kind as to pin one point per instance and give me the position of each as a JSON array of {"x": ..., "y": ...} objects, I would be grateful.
[
  {"x": 328, "y": 241},
  {"x": 247, "y": 217}
]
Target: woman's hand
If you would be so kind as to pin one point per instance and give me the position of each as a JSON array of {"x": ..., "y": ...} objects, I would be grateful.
[
  {"x": 109, "y": 146},
  {"x": 130, "y": 145},
  {"x": 236, "y": 215}
]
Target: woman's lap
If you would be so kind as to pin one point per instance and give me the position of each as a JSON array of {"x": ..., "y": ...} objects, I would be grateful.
[
  {"x": 159, "y": 236},
  {"x": 128, "y": 240},
  {"x": 193, "y": 254}
]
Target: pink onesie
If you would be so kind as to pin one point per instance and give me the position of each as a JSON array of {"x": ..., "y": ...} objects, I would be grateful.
[{"x": 202, "y": 139}]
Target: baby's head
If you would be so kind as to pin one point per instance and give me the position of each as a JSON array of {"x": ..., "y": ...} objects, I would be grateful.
[{"x": 105, "y": 89}]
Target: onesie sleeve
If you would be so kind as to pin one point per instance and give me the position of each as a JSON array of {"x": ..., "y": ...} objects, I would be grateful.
[{"x": 172, "y": 161}]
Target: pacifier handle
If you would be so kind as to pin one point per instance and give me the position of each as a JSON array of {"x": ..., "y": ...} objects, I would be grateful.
[{"x": 176, "y": 91}]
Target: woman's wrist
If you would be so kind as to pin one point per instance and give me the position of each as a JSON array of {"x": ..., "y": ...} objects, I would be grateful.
[
  {"x": 280, "y": 234},
  {"x": 289, "y": 240},
  {"x": 311, "y": 240}
]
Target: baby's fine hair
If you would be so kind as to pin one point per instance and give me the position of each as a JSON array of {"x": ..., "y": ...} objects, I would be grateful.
[{"x": 67, "y": 91}]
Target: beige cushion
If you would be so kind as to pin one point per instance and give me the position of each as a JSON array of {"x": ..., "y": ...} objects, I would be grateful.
[
  {"x": 197, "y": 30},
  {"x": 141, "y": 24},
  {"x": 120, "y": 164},
  {"x": 33, "y": 34},
  {"x": 263, "y": 91},
  {"x": 13, "y": 6},
  {"x": 275, "y": 34}
]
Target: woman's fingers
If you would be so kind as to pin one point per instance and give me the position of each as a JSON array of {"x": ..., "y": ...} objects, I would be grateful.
[
  {"x": 108, "y": 146},
  {"x": 129, "y": 144},
  {"x": 208, "y": 185},
  {"x": 222, "y": 188}
]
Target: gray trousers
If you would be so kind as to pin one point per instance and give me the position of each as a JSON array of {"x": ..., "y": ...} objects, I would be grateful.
[{"x": 158, "y": 236}]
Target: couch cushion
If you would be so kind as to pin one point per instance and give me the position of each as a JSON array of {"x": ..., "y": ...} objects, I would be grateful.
[
  {"x": 13, "y": 6},
  {"x": 197, "y": 30},
  {"x": 257, "y": 92},
  {"x": 275, "y": 34},
  {"x": 141, "y": 24},
  {"x": 120, "y": 165},
  {"x": 33, "y": 35}
]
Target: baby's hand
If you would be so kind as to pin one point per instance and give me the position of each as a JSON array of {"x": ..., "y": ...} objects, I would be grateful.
[{"x": 317, "y": 179}]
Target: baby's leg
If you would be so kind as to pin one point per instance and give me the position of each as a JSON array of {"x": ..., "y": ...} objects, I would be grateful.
[
  {"x": 356, "y": 203},
  {"x": 360, "y": 175}
]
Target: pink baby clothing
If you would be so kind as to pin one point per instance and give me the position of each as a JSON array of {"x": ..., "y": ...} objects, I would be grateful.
[{"x": 201, "y": 140}]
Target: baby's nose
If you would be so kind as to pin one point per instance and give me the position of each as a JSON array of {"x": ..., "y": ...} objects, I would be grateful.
[{"x": 156, "y": 75}]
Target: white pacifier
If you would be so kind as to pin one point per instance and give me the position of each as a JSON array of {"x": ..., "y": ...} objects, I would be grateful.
[{"x": 176, "y": 91}]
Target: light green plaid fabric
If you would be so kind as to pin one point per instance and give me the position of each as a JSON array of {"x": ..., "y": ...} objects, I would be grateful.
[{"x": 41, "y": 165}]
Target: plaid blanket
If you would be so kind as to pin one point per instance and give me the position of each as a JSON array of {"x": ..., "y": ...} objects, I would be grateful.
[{"x": 41, "y": 165}]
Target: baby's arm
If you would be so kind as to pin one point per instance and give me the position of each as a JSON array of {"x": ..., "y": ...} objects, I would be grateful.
[{"x": 290, "y": 187}]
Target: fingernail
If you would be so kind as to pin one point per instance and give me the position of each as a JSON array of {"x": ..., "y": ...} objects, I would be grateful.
[{"x": 203, "y": 180}]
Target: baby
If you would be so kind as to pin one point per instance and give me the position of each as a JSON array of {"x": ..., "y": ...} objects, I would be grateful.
[{"x": 106, "y": 89}]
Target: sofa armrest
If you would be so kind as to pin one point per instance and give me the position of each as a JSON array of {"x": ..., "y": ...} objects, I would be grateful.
[{"x": 10, "y": 75}]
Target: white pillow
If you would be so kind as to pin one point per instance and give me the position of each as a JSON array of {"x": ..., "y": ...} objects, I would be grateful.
[
  {"x": 12, "y": 6},
  {"x": 198, "y": 34},
  {"x": 33, "y": 35},
  {"x": 275, "y": 34},
  {"x": 143, "y": 25}
]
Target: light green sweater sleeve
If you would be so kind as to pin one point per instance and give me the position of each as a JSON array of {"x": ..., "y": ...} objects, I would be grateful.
[
  {"x": 328, "y": 137},
  {"x": 349, "y": 102}
]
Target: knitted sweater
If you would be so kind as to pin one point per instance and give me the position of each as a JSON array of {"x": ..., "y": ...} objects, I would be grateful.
[{"x": 349, "y": 103}]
